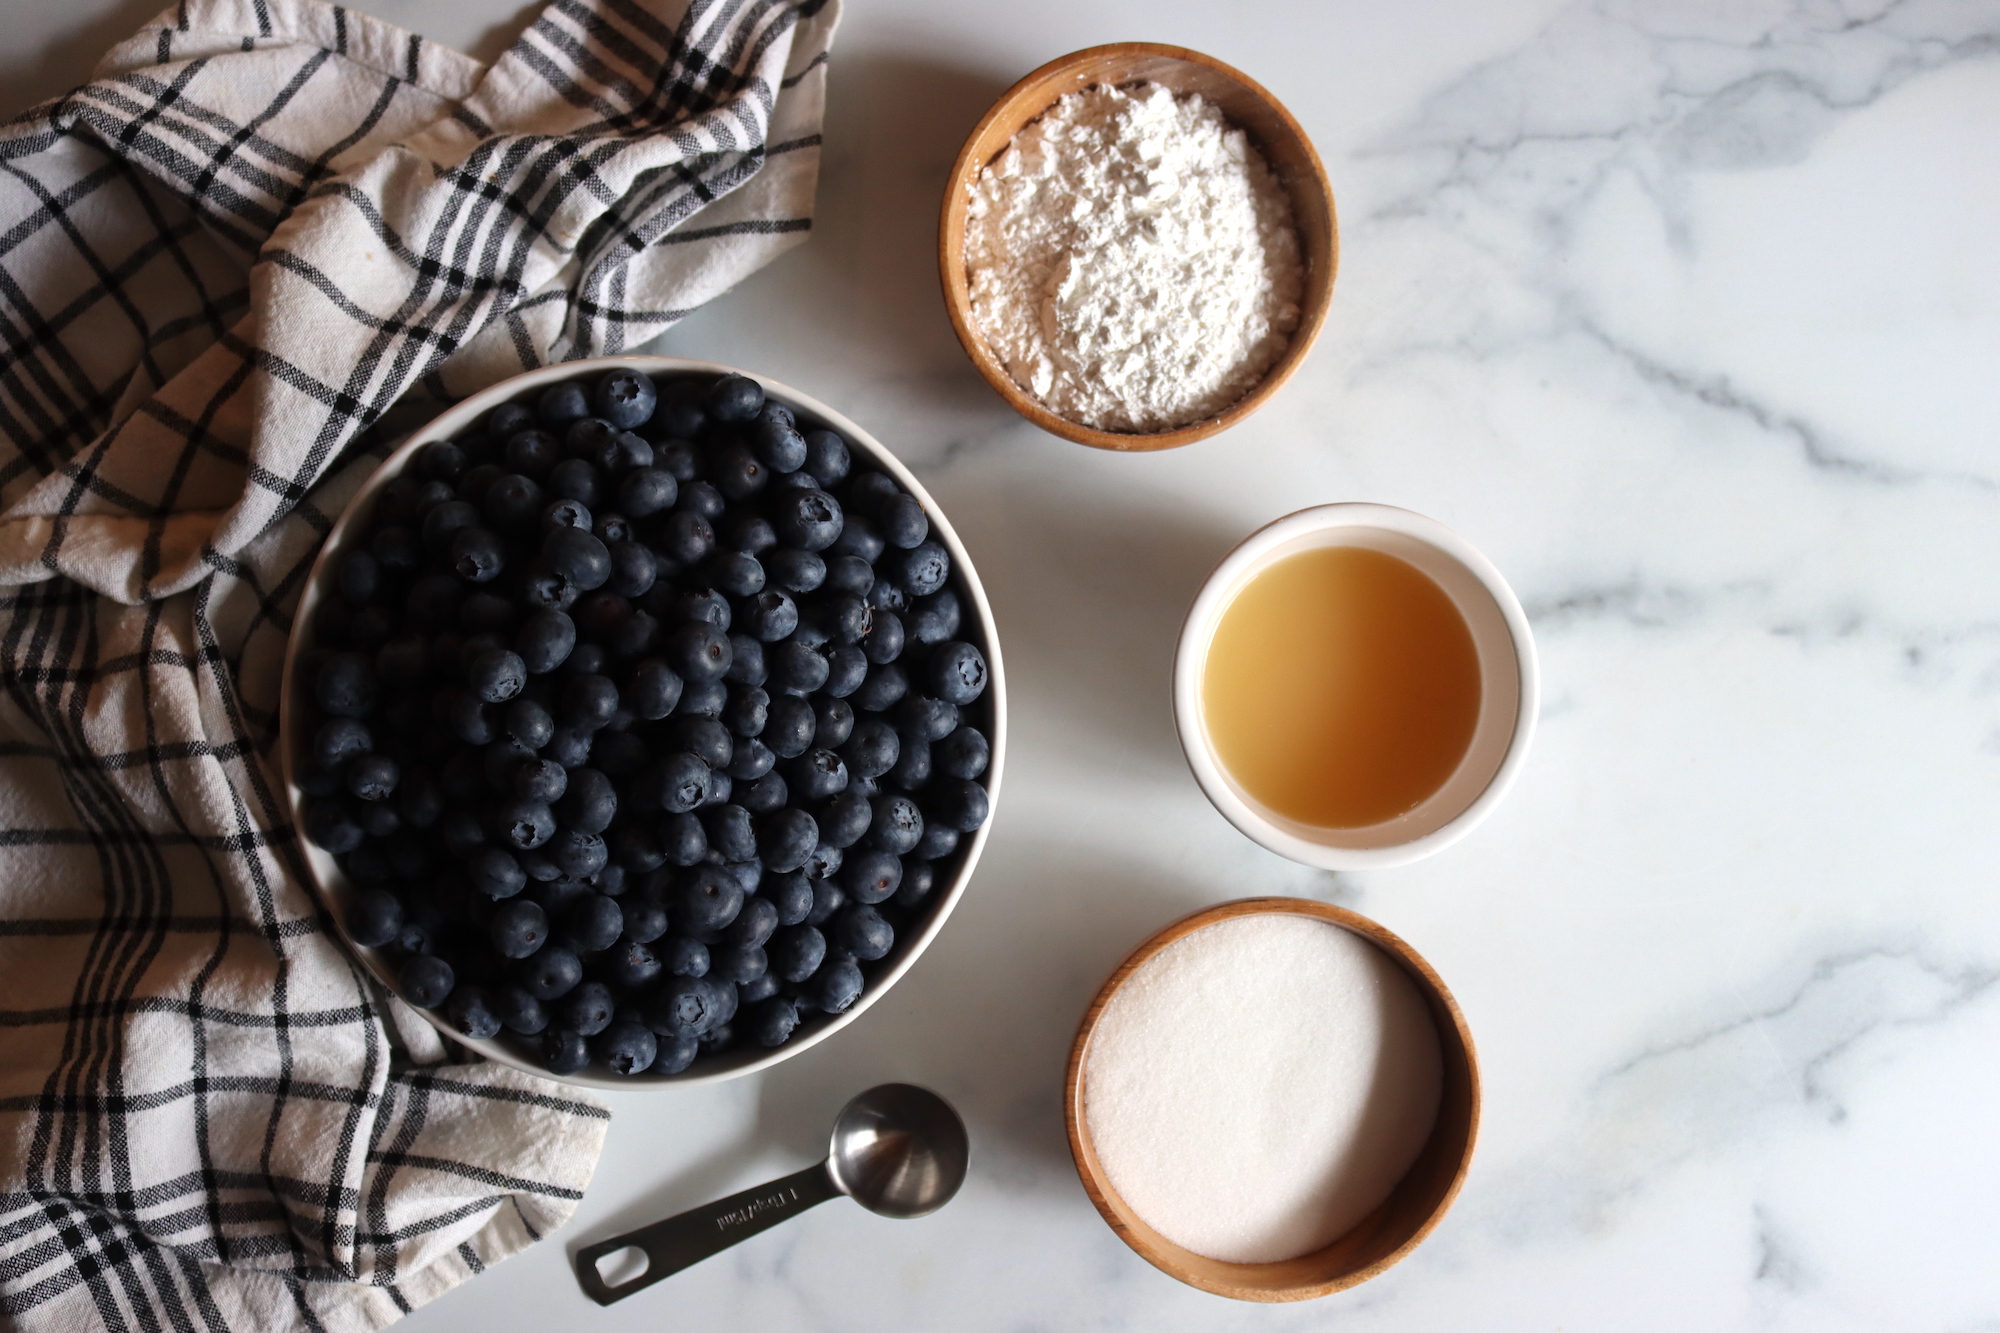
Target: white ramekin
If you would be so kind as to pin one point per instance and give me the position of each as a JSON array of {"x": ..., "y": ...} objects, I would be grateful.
[{"x": 1509, "y": 678}]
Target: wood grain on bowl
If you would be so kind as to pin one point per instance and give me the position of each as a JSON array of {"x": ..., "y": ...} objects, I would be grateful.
[
  {"x": 1248, "y": 106},
  {"x": 1416, "y": 1205}
]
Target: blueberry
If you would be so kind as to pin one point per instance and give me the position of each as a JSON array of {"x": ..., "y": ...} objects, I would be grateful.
[
  {"x": 600, "y": 617},
  {"x": 567, "y": 513},
  {"x": 956, "y": 804},
  {"x": 315, "y": 779},
  {"x": 747, "y": 532},
  {"x": 419, "y": 801},
  {"x": 705, "y": 737},
  {"x": 332, "y": 826},
  {"x": 347, "y": 685},
  {"x": 395, "y": 548},
  {"x": 496, "y": 675},
  {"x": 507, "y": 419},
  {"x": 645, "y": 920},
  {"x": 883, "y": 643},
  {"x": 529, "y": 723},
  {"x": 591, "y": 802},
  {"x": 771, "y": 615},
  {"x": 771, "y": 1021},
  {"x": 788, "y": 726},
  {"x": 374, "y": 917},
  {"x": 786, "y": 838},
  {"x": 924, "y": 570},
  {"x": 760, "y": 796},
  {"x": 827, "y": 897},
  {"x": 699, "y": 651},
  {"x": 527, "y": 455},
  {"x": 751, "y": 760},
  {"x": 846, "y": 669},
  {"x": 627, "y": 1048},
  {"x": 569, "y": 746},
  {"x": 628, "y": 453},
  {"x": 860, "y": 930},
  {"x": 902, "y": 522},
  {"x": 578, "y": 557},
  {"x": 920, "y": 717},
  {"x": 564, "y": 1051},
  {"x": 373, "y": 777},
  {"x": 652, "y": 689},
  {"x": 736, "y": 573},
  {"x": 736, "y": 473},
  {"x": 691, "y": 1006},
  {"x": 938, "y": 842},
  {"x": 734, "y": 398},
  {"x": 445, "y": 522},
  {"x": 682, "y": 780},
  {"x": 848, "y": 574},
  {"x": 836, "y": 986},
  {"x": 807, "y": 519},
  {"x": 746, "y": 663},
  {"x": 816, "y": 775},
  {"x": 519, "y": 1011},
  {"x": 576, "y": 853},
  {"x": 632, "y": 966},
  {"x": 702, "y": 698},
  {"x": 675, "y": 1053},
  {"x": 833, "y": 721},
  {"x": 440, "y": 460},
  {"x": 587, "y": 702},
  {"x": 634, "y": 569},
  {"x": 826, "y": 457},
  {"x": 626, "y": 399},
  {"x": 545, "y": 590},
  {"x": 870, "y": 490},
  {"x": 794, "y": 570},
  {"x": 685, "y": 957},
  {"x": 496, "y": 873},
  {"x": 551, "y": 973},
  {"x": 795, "y": 668},
  {"x": 846, "y": 618},
  {"x": 518, "y": 929},
  {"x": 747, "y": 713},
  {"x": 790, "y": 896},
  {"x": 871, "y": 876},
  {"x": 562, "y": 403},
  {"x": 377, "y": 819},
  {"x": 913, "y": 765},
  {"x": 477, "y": 555},
  {"x": 730, "y": 832},
  {"x": 586, "y": 659},
  {"x": 460, "y": 832},
  {"x": 881, "y": 689},
  {"x": 339, "y": 740},
  {"x": 962, "y": 754},
  {"x": 524, "y": 825},
  {"x": 706, "y": 606},
  {"x": 357, "y": 575},
  {"x": 886, "y": 596},
  {"x": 702, "y": 498},
  {"x": 898, "y": 825},
  {"x": 471, "y": 1012},
  {"x": 706, "y": 898},
  {"x": 778, "y": 443},
  {"x": 426, "y": 980},
  {"x": 859, "y": 538},
  {"x": 588, "y": 1009},
  {"x": 646, "y": 491},
  {"x": 844, "y": 819},
  {"x": 589, "y": 439},
  {"x": 957, "y": 673},
  {"x": 871, "y": 749},
  {"x": 738, "y": 964},
  {"x": 512, "y": 501},
  {"x": 579, "y": 480}
]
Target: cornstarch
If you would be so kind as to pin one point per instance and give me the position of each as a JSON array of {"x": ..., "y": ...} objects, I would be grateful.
[
  {"x": 1132, "y": 260},
  {"x": 1259, "y": 1086}
]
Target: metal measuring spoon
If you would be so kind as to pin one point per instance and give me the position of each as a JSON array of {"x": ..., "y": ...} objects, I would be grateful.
[{"x": 897, "y": 1150}]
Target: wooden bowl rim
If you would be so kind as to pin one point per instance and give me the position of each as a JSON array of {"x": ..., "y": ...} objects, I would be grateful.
[
  {"x": 958, "y": 301},
  {"x": 1102, "y": 1195}
]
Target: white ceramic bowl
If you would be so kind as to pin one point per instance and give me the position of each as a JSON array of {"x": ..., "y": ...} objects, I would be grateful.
[
  {"x": 334, "y": 887},
  {"x": 1509, "y": 697}
]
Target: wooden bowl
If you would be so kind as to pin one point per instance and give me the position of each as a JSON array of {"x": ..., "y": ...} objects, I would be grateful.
[
  {"x": 1416, "y": 1205},
  {"x": 1248, "y": 106}
]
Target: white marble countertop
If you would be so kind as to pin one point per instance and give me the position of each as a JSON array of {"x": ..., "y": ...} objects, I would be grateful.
[{"x": 1688, "y": 315}]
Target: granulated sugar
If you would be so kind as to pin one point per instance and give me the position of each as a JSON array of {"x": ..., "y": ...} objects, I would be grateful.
[
  {"x": 1260, "y": 1086},
  {"x": 1132, "y": 260}
]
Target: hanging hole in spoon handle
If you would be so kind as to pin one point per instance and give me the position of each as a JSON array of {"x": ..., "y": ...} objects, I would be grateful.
[{"x": 688, "y": 1238}]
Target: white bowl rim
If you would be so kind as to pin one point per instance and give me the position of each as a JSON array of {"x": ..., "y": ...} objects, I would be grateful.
[
  {"x": 1216, "y": 592},
  {"x": 325, "y": 873}
]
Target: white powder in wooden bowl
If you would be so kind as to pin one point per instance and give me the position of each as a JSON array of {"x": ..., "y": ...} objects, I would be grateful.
[
  {"x": 1132, "y": 260},
  {"x": 1259, "y": 1086}
]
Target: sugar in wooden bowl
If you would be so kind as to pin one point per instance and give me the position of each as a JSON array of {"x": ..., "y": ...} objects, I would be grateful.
[{"x": 1273, "y": 1099}]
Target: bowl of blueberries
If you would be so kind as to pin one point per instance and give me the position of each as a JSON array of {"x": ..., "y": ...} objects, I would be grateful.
[{"x": 643, "y": 719}]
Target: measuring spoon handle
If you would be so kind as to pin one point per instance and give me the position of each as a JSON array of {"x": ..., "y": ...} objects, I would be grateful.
[{"x": 688, "y": 1238}]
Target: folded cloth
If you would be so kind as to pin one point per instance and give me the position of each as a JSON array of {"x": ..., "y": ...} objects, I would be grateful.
[{"x": 222, "y": 261}]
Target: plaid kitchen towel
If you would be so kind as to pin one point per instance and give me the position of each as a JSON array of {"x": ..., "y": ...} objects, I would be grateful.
[{"x": 222, "y": 261}]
